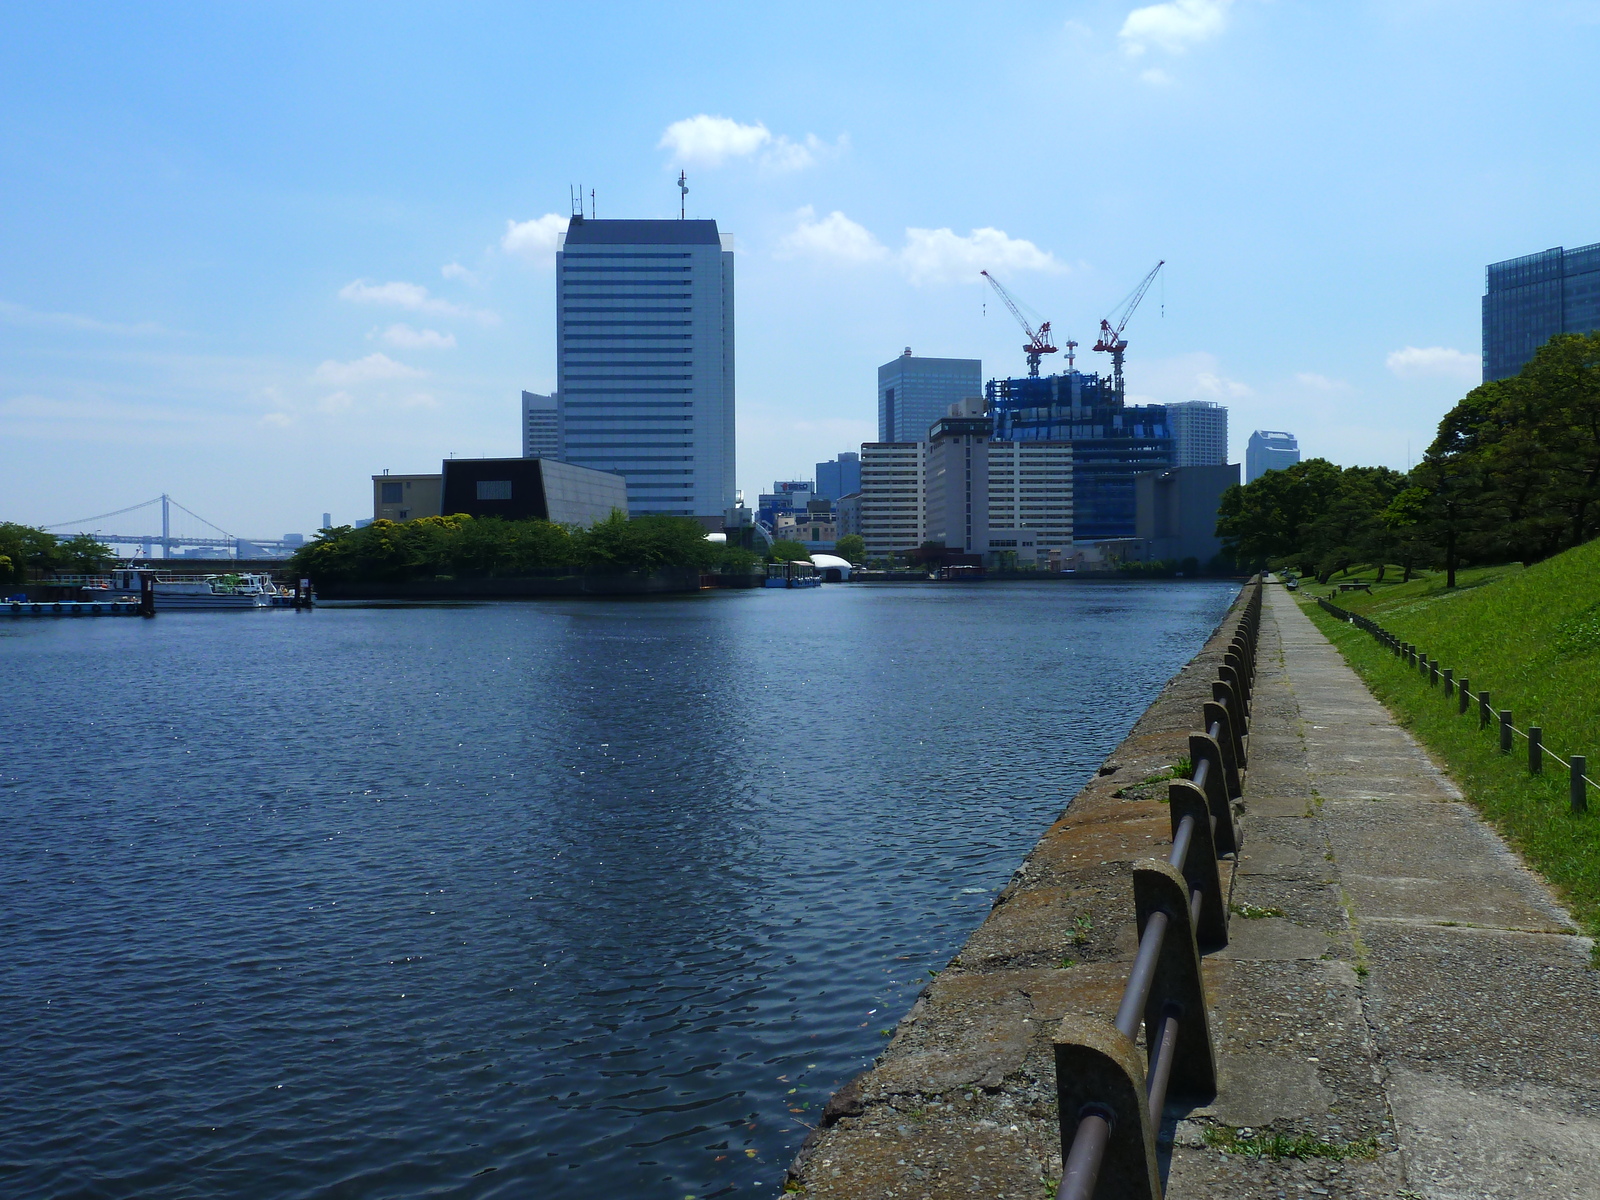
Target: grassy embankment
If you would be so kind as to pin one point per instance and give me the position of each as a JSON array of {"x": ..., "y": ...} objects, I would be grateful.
[{"x": 1531, "y": 638}]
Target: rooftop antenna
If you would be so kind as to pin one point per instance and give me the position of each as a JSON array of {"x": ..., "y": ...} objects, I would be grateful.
[
  {"x": 683, "y": 193},
  {"x": 591, "y": 204}
]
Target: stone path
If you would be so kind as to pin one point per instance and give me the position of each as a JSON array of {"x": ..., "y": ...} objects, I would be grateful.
[{"x": 1395, "y": 978}]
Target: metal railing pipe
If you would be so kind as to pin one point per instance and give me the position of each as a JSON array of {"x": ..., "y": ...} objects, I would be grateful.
[{"x": 1081, "y": 1171}]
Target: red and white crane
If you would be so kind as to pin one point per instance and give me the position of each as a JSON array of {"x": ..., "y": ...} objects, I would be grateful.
[
  {"x": 1039, "y": 342},
  {"x": 1111, "y": 340}
]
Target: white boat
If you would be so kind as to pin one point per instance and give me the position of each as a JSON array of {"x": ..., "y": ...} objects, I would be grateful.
[{"x": 213, "y": 591}]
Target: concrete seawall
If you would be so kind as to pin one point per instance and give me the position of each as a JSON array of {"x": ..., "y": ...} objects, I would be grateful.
[
  {"x": 1402, "y": 1010},
  {"x": 962, "y": 1102}
]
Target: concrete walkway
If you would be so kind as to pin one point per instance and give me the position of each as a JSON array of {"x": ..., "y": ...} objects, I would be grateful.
[{"x": 1396, "y": 977}]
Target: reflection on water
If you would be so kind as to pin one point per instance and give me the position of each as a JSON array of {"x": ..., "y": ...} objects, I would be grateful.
[{"x": 546, "y": 899}]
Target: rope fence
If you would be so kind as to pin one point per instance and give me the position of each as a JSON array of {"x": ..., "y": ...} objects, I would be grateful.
[{"x": 1460, "y": 690}]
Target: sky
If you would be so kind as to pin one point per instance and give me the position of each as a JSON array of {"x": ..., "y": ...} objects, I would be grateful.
[{"x": 253, "y": 254}]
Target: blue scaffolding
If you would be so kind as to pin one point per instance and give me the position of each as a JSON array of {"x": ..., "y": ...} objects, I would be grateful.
[{"x": 1111, "y": 442}]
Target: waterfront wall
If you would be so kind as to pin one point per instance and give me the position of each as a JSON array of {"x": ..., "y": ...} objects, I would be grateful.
[{"x": 963, "y": 1100}]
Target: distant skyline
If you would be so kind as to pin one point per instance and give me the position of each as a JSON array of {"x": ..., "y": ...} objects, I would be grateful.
[{"x": 255, "y": 255}]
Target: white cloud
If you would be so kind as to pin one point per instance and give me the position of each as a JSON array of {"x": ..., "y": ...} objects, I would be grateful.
[
  {"x": 418, "y": 339},
  {"x": 536, "y": 240},
  {"x": 412, "y": 296},
  {"x": 454, "y": 270},
  {"x": 936, "y": 255},
  {"x": 835, "y": 236},
  {"x": 928, "y": 256},
  {"x": 707, "y": 141},
  {"x": 363, "y": 370},
  {"x": 1435, "y": 361},
  {"x": 1319, "y": 383},
  {"x": 1173, "y": 26},
  {"x": 1210, "y": 384}
]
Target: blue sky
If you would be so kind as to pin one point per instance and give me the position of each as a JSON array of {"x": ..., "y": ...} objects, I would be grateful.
[{"x": 253, "y": 254}]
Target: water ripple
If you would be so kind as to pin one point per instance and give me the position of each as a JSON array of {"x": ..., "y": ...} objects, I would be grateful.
[{"x": 521, "y": 899}]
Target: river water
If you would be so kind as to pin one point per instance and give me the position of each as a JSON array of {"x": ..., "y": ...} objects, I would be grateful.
[{"x": 552, "y": 899}]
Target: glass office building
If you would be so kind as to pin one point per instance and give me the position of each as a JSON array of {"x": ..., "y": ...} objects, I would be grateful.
[
  {"x": 644, "y": 329},
  {"x": 1528, "y": 300},
  {"x": 914, "y": 392},
  {"x": 1111, "y": 442}
]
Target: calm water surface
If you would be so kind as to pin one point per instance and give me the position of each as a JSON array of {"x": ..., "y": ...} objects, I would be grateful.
[{"x": 535, "y": 900}]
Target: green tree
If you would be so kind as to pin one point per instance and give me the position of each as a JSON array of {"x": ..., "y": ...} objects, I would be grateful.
[
  {"x": 1270, "y": 517},
  {"x": 785, "y": 550},
  {"x": 27, "y": 549},
  {"x": 81, "y": 554},
  {"x": 851, "y": 547}
]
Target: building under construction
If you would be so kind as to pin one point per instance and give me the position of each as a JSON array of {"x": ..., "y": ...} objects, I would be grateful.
[{"x": 1111, "y": 442}]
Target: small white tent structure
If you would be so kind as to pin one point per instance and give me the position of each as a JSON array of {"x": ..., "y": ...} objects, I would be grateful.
[{"x": 831, "y": 567}]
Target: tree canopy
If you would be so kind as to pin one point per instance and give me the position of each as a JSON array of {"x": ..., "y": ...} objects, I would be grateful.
[
  {"x": 24, "y": 548},
  {"x": 1513, "y": 475},
  {"x": 459, "y": 545}
]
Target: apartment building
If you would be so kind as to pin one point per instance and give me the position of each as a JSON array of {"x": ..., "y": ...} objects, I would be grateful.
[{"x": 890, "y": 503}]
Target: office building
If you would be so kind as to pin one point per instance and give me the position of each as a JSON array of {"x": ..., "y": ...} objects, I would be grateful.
[
  {"x": 404, "y": 497},
  {"x": 816, "y": 527},
  {"x": 1199, "y": 433},
  {"x": 645, "y": 361},
  {"x": 839, "y": 477},
  {"x": 518, "y": 489},
  {"x": 541, "y": 433},
  {"x": 786, "y": 497},
  {"x": 1176, "y": 511},
  {"x": 956, "y": 480},
  {"x": 1528, "y": 300},
  {"x": 849, "y": 510},
  {"x": 1111, "y": 442},
  {"x": 1030, "y": 490},
  {"x": 1269, "y": 450},
  {"x": 914, "y": 392},
  {"x": 891, "y": 497}
]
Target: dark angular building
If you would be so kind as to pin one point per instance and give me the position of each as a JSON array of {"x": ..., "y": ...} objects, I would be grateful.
[
  {"x": 521, "y": 489},
  {"x": 1111, "y": 442},
  {"x": 1528, "y": 300}
]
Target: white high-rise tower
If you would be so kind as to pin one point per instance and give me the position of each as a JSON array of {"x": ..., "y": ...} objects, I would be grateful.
[{"x": 644, "y": 327}]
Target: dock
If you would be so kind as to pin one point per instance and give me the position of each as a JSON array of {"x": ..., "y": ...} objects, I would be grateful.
[{"x": 70, "y": 608}]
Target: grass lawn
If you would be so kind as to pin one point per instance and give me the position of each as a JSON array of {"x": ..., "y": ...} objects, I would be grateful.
[{"x": 1532, "y": 639}]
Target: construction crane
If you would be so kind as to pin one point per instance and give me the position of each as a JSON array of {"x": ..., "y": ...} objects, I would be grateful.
[
  {"x": 1111, "y": 341},
  {"x": 1039, "y": 343}
]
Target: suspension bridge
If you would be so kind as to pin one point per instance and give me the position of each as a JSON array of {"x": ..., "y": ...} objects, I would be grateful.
[{"x": 192, "y": 532}]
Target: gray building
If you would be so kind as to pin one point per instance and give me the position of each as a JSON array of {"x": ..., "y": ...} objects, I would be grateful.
[
  {"x": 1175, "y": 511},
  {"x": 956, "y": 487},
  {"x": 839, "y": 477},
  {"x": 1269, "y": 450},
  {"x": 644, "y": 324},
  {"x": 541, "y": 432},
  {"x": 1199, "y": 433},
  {"x": 914, "y": 392},
  {"x": 1528, "y": 300}
]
